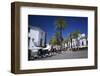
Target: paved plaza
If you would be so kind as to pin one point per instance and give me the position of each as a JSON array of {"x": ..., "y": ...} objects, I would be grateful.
[{"x": 68, "y": 55}]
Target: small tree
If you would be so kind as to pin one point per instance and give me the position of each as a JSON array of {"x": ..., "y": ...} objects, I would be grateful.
[{"x": 53, "y": 41}]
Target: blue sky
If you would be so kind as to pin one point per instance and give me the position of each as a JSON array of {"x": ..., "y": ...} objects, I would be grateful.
[{"x": 47, "y": 23}]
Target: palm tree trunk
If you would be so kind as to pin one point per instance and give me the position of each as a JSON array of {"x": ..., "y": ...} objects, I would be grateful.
[{"x": 61, "y": 35}]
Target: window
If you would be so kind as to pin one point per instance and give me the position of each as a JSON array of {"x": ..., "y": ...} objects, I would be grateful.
[{"x": 82, "y": 43}]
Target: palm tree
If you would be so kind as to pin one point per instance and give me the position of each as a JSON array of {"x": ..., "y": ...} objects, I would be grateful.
[{"x": 60, "y": 25}]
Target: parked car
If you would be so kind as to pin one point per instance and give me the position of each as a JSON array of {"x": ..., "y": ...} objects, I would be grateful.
[
  {"x": 34, "y": 53},
  {"x": 40, "y": 52}
]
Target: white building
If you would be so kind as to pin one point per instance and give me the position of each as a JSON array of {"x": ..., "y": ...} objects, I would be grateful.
[
  {"x": 80, "y": 42},
  {"x": 83, "y": 42},
  {"x": 36, "y": 39}
]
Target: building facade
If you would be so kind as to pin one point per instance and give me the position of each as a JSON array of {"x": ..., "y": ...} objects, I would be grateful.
[
  {"x": 36, "y": 38},
  {"x": 80, "y": 42}
]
